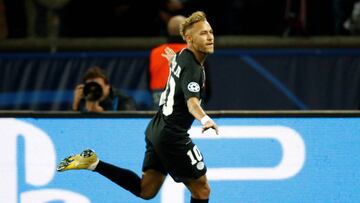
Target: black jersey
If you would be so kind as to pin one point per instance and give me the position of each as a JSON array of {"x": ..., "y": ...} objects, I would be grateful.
[
  {"x": 186, "y": 80},
  {"x": 169, "y": 149}
]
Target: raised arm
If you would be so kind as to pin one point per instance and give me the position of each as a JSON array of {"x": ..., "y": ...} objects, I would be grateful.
[{"x": 169, "y": 54}]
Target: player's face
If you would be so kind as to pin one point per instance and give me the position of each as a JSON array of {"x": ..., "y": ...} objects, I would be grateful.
[{"x": 202, "y": 37}]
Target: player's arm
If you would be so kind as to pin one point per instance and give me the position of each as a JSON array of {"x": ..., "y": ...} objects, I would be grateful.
[{"x": 195, "y": 109}]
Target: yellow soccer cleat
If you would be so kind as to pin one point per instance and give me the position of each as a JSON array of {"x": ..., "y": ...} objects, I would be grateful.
[{"x": 85, "y": 160}]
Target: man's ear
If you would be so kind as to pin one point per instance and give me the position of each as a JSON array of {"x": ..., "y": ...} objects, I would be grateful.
[{"x": 188, "y": 38}]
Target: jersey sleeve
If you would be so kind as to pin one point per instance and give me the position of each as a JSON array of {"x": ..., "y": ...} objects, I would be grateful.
[{"x": 191, "y": 82}]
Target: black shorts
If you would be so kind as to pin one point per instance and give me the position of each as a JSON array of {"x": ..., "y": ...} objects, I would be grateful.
[{"x": 175, "y": 154}]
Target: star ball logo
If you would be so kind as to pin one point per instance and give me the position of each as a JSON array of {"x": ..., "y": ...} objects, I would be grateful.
[{"x": 193, "y": 87}]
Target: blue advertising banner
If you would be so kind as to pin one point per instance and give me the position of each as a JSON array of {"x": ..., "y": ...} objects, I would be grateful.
[
  {"x": 252, "y": 79},
  {"x": 252, "y": 160}
]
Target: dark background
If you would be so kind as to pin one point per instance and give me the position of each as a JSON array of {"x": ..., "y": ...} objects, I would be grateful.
[{"x": 103, "y": 18}]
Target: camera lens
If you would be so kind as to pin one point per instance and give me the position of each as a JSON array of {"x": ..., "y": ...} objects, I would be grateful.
[{"x": 92, "y": 91}]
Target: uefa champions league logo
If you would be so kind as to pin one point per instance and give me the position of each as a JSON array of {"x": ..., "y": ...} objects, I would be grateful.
[
  {"x": 40, "y": 165},
  {"x": 40, "y": 158}
]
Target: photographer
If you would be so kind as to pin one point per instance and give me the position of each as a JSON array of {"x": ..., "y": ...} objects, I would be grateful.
[{"x": 96, "y": 94}]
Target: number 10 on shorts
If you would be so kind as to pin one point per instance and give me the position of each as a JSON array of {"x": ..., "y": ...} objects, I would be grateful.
[{"x": 194, "y": 155}]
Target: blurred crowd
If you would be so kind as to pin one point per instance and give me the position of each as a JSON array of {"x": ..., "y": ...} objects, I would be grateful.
[{"x": 116, "y": 18}]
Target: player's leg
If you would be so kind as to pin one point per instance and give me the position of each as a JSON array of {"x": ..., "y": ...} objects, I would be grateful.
[
  {"x": 200, "y": 190},
  {"x": 145, "y": 187},
  {"x": 154, "y": 172},
  {"x": 151, "y": 183}
]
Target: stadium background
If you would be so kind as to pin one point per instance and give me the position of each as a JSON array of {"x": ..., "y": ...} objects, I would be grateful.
[
  {"x": 289, "y": 76},
  {"x": 309, "y": 80}
]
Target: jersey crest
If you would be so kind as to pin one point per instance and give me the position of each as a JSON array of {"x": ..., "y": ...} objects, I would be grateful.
[{"x": 193, "y": 87}]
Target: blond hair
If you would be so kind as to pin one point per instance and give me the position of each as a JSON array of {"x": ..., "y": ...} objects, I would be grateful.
[{"x": 190, "y": 21}]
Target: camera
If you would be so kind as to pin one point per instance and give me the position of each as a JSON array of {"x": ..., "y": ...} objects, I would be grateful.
[{"x": 92, "y": 91}]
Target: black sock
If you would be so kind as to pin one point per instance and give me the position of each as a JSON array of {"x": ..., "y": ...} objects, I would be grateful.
[
  {"x": 199, "y": 200},
  {"x": 122, "y": 177}
]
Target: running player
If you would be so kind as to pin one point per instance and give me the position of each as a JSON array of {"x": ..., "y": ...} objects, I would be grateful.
[{"x": 169, "y": 149}]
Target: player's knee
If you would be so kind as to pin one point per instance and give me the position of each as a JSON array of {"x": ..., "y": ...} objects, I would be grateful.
[
  {"x": 206, "y": 190},
  {"x": 202, "y": 192},
  {"x": 147, "y": 195}
]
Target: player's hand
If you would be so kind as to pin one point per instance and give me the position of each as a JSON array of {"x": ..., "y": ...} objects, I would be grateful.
[
  {"x": 78, "y": 95},
  {"x": 169, "y": 54},
  {"x": 210, "y": 124}
]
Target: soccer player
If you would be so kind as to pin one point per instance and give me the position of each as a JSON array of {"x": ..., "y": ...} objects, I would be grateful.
[{"x": 169, "y": 149}]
